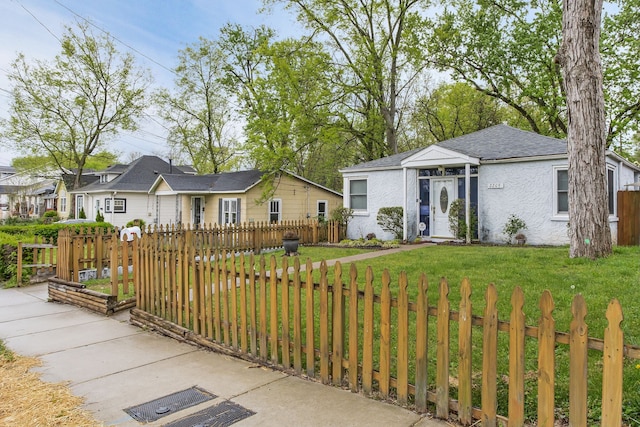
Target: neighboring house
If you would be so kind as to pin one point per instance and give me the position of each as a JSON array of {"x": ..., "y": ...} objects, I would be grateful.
[
  {"x": 24, "y": 195},
  {"x": 121, "y": 192},
  {"x": 499, "y": 171},
  {"x": 63, "y": 199},
  {"x": 234, "y": 197}
]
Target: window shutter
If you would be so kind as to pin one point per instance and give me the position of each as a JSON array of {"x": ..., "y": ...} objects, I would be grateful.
[
  {"x": 220, "y": 210},
  {"x": 238, "y": 211}
]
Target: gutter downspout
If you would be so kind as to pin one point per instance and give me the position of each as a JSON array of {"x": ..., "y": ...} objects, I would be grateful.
[
  {"x": 405, "y": 224},
  {"x": 467, "y": 199}
]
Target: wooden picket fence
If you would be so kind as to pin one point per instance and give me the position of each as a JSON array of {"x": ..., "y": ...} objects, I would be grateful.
[
  {"x": 342, "y": 332},
  {"x": 42, "y": 256},
  {"x": 85, "y": 249}
]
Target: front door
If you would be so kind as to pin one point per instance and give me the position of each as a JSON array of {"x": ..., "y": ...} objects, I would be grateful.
[
  {"x": 442, "y": 194},
  {"x": 197, "y": 208}
]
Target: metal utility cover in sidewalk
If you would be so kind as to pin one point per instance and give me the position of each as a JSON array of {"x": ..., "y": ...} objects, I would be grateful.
[
  {"x": 222, "y": 415},
  {"x": 167, "y": 405}
]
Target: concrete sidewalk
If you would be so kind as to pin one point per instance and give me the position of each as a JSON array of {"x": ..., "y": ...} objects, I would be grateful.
[{"x": 115, "y": 366}]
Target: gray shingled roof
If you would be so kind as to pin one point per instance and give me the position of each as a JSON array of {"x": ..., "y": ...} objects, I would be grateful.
[
  {"x": 138, "y": 177},
  {"x": 217, "y": 183},
  {"x": 494, "y": 143},
  {"x": 505, "y": 142},
  {"x": 237, "y": 181},
  {"x": 188, "y": 182}
]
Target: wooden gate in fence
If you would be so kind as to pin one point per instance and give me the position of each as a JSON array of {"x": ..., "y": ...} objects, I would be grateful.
[
  {"x": 628, "y": 218},
  {"x": 43, "y": 258},
  {"x": 345, "y": 328}
]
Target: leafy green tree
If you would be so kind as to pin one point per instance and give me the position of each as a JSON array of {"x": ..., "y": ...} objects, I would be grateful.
[
  {"x": 506, "y": 49},
  {"x": 451, "y": 110},
  {"x": 97, "y": 161},
  {"x": 376, "y": 46},
  {"x": 285, "y": 98},
  {"x": 68, "y": 109},
  {"x": 198, "y": 111}
]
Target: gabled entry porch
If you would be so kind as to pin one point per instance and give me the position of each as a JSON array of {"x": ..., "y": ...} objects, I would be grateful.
[{"x": 442, "y": 176}]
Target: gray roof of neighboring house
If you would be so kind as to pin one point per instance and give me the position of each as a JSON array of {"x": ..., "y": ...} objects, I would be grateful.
[
  {"x": 225, "y": 182},
  {"x": 138, "y": 176},
  {"x": 494, "y": 143},
  {"x": 187, "y": 182},
  {"x": 186, "y": 169},
  {"x": 85, "y": 179},
  {"x": 7, "y": 170},
  {"x": 117, "y": 168}
]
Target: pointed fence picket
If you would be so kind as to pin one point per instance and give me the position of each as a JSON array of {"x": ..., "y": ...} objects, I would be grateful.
[{"x": 333, "y": 326}]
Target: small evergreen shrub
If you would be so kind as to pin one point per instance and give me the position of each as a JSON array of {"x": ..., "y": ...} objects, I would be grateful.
[{"x": 391, "y": 219}]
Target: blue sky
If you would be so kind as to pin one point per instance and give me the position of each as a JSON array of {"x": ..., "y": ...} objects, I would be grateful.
[{"x": 152, "y": 30}]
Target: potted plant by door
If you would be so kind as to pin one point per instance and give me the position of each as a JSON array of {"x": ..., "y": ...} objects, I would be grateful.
[{"x": 290, "y": 242}]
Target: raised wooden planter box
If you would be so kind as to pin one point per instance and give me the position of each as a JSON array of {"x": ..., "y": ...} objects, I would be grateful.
[{"x": 76, "y": 294}]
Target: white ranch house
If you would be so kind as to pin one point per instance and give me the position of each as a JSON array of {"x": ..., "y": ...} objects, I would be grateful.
[{"x": 499, "y": 171}]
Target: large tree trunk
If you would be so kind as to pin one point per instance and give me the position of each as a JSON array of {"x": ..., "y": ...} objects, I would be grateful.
[{"x": 579, "y": 56}]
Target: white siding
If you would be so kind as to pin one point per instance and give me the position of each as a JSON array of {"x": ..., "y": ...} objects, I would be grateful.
[
  {"x": 170, "y": 208},
  {"x": 384, "y": 189},
  {"x": 525, "y": 189},
  {"x": 138, "y": 206},
  {"x": 527, "y": 192}
]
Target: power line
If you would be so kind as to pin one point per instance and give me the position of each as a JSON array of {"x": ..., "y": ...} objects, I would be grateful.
[
  {"x": 114, "y": 37},
  {"x": 40, "y": 22}
]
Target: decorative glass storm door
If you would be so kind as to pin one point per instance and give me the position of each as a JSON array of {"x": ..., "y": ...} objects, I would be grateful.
[
  {"x": 197, "y": 209},
  {"x": 442, "y": 194}
]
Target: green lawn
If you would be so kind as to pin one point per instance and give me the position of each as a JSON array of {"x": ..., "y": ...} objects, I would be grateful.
[{"x": 534, "y": 270}]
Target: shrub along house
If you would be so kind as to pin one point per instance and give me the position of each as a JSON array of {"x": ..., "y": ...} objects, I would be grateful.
[
  {"x": 498, "y": 172},
  {"x": 237, "y": 197}
]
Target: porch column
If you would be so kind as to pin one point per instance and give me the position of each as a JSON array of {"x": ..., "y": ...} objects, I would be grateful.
[
  {"x": 405, "y": 224},
  {"x": 467, "y": 199}
]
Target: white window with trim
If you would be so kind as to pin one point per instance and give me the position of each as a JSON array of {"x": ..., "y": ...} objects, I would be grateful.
[
  {"x": 358, "y": 195},
  {"x": 115, "y": 205},
  {"x": 612, "y": 189},
  {"x": 63, "y": 204},
  {"x": 561, "y": 190},
  {"x": 275, "y": 210},
  {"x": 229, "y": 211},
  {"x": 322, "y": 210}
]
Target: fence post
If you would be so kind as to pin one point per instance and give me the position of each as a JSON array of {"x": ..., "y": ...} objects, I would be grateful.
[
  {"x": 443, "y": 352},
  {"x": 422, "y": 323},
  {"x": 114, "y": 264},
  {"x": 465, "y": 349},
  {"x": 310, "y": 347},
  {"x": 354, "y": 327},
  {"x": 19, "y": 276},
  {"x": 338, "y": 325},
  {"x": 516, "y": 359},
  {"x": 324, "y": 324},
  {"x": 578, "y": 339},
  {"x": 403, "y": 341},
  {"x": 612, "y": 367},
  {"x": 489, "y": 356},
  {"x": 546, "y": 361}
]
